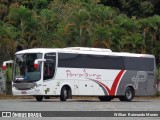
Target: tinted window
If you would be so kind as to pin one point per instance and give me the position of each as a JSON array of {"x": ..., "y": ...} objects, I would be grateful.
[
  {"x": 139, "y": 63},
  {"x": 105, "y": 62},
  {"x": 90, "y": 61},
  {"x": 49, "y": 65}
]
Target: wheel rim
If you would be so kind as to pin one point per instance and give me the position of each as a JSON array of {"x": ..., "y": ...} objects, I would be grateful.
[
  {"x": 128, "y": 94},
  {"x": 65, "y": 93}
]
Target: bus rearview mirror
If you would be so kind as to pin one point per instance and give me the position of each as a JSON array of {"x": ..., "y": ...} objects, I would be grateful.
[
  {"x": 4, "y": 66},
  {"x": 36, "y": 63}
]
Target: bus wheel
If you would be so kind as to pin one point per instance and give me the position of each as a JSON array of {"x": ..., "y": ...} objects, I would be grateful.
[
  {"x": 64, "y": 94},
  {"x": 129, "y": 95},
  {"x": 105, "y": 98},
  {"x": 39, "y": 98}
]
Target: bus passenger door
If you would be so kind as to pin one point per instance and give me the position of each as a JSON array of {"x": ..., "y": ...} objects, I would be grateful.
[{"x": 48, "y": 73}]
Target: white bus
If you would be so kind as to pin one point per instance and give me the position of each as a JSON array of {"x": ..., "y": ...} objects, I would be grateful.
[{"x": 80, "y": 71}]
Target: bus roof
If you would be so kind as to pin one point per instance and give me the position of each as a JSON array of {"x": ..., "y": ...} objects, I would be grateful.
[{"x": 83, "y": 50}]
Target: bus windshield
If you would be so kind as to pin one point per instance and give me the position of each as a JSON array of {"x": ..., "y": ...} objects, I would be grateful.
[{"x": 24, "y": 67}]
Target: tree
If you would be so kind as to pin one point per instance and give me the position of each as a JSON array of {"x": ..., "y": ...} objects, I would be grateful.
[
  {"x": 7, "y": 44},
  {"x": 36, "y": 5},
  {"x": 139, "y": 8},
  {"x": 121, "y": 25},
  {"x": 26, "y": 24},
  {"x": 101, "y": 37},
  {"x": 78, "y": 29}
]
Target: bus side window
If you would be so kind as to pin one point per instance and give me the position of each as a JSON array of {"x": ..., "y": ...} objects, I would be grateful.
[{"x": 48, "y": 71}]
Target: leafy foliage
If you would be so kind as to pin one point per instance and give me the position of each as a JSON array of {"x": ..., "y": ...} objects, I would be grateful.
[
  {"x": 121, "y": 25},
  {"x": 138, "y": 8}
]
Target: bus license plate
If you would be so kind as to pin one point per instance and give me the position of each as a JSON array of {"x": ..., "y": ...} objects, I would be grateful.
[{"x": 23, "y": 92}]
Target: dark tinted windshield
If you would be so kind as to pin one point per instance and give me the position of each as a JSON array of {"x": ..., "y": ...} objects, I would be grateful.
[{"x": 24, "y": 67}]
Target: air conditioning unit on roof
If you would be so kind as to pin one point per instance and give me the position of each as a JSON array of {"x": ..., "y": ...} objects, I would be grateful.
[{"x": 88, "y": 49}]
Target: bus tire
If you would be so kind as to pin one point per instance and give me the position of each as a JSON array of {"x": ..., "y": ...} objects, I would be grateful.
[
  {"x": 105, "y": 98},
  {"x": 129, "y": 94},
  {"x": 64, "y": 94},
  {"x": 39, "y": 98}
]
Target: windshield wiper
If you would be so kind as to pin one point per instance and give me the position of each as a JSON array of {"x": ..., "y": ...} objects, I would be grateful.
[{"x": 18, "y": 79}]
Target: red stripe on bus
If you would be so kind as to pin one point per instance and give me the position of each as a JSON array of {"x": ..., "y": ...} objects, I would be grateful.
[{"x": 114, "y": 85}]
